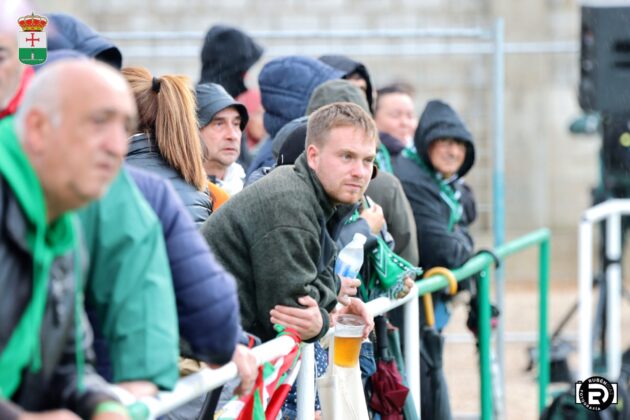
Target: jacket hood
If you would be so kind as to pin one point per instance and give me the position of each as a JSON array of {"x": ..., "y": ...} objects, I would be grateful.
[
  {"x": 286, "y": 85},
  {"x": 226, "y": 55},
  {"x": 212, "y": 98},
  {"x": 68, "y": 32},
  {"x": 290, "y": 141},
  {"x": 439, "y": 121},
  {"x": 350, "y": 66},
  {"x": 336, "y": 91}
]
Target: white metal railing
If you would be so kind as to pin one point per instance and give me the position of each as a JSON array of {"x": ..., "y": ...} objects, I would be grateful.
[
  {"x": 610, "y": 210},
  {"x": 206, "y": 380}
]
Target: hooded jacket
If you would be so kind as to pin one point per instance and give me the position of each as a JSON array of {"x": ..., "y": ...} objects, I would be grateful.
[
  {"x": 68, "y": 32},
  {"x": 286, "y": 85},
  {"x": 350, "y": 67},
  {"x": 438, "y": 245},
  {"x": 226, "y": 55},
  {"x": 336, "y": 91}
]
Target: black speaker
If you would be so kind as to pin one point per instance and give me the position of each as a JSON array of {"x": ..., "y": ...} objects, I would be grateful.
[{"x": 605, "y": 59}]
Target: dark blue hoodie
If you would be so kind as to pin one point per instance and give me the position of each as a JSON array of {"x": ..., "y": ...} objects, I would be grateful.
[
  {"x": 68, "y": 32},
  {"x": 286, "y": 85}
]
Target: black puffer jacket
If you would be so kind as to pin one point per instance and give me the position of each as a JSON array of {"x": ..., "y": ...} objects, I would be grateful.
[
  {"x": 55, "y": 385},
  {"x": 226, "y": 55},
  {"x": 438, "y": 246},
  {"x": 144, "y": 154}
]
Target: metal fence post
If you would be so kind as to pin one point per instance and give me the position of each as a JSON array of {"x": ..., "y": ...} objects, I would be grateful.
[
  {"x": 543, "y": 339},
  {"x": 585, "y": 289},
  {"x": 613, "y": 295},
  {"x": 498, "y": 184},
  {"x": 412, "y": 347},
  {"x": 484, "y": 329},
  {"x": 306, "y": 384}
]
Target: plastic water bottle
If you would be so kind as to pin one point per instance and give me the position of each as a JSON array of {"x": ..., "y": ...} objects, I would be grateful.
[{"x": 350, "y": 258}]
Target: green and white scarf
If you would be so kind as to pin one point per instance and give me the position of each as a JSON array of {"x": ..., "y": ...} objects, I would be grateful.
[{"x": 448, "y": 194}]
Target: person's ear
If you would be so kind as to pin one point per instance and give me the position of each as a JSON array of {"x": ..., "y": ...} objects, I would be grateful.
[
  {"x": 312, "y": 156},
  {"x": 36, "y": 128}
]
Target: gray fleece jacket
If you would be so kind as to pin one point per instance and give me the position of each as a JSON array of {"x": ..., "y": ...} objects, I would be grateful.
[{"x": 276, "y": 238}]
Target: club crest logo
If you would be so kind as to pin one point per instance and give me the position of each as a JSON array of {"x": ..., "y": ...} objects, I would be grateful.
[{"x": 32, "y": 47}]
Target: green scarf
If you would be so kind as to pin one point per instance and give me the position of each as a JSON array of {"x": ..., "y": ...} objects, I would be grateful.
[
  {"x": 447, "y": 192},
  {"x": 384, "y": 159},
  {"x": 45, "y": 242}
]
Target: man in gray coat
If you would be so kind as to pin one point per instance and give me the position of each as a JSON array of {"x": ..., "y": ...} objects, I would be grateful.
[{"x": 277, "y": 236}]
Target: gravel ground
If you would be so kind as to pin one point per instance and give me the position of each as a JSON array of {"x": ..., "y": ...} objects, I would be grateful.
[{"x": 521, "y": 318}]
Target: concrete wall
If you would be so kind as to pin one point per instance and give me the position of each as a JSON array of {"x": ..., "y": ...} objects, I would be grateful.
[{"x": 549, "y": 173}]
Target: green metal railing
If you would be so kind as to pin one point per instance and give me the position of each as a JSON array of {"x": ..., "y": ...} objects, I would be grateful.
[{"x": 481, "y": 264}]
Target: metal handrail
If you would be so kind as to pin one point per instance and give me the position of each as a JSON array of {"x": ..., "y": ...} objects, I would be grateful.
[{"x": 208, "y": 379}]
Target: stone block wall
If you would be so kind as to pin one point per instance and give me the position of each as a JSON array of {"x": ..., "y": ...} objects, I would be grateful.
[{"x": 549, "y": 172}]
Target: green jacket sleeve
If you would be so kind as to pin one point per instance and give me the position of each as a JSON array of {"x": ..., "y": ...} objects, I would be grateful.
[
  {"x": 284, "y": 270},
  {"x": 129, "y": 285}
]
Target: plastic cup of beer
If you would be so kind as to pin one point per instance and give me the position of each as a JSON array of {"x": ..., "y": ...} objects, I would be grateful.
[{"x": 348, "y": 338}]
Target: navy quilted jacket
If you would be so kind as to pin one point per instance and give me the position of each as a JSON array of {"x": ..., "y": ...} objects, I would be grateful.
[{"x": 207, "y": 304}]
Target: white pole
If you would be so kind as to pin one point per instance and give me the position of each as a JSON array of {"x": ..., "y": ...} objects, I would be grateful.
[
  {"x": 613, "y": 296},
  {"x": 412, "y": 347},
  {"x": 306, "y": 385},
  {"x": 585, "y": 260}
]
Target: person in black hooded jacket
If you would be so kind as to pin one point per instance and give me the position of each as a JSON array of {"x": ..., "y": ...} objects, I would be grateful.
[
  {"x": 443, "y": 207},
  {"x": 442, "y": 204},
  {"x": 226, "y": 56},
  {"x": 356, "y": 73}
]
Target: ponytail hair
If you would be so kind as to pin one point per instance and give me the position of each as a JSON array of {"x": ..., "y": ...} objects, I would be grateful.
[{"x": 167, "y": 111}]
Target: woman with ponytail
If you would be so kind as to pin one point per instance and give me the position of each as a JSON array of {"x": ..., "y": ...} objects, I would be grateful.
[{"x": 168, "y": 142}]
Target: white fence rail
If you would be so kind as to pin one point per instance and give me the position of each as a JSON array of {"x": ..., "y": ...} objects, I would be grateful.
[
  {"x": 611, "y": 211},
  {"x": 206, "y": 380}
]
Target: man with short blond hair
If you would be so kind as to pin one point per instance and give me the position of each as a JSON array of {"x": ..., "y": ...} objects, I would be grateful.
[
  {"x": 342, "y": 114},
  {"x": 277, "y": 235}
]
